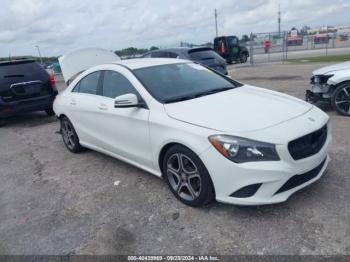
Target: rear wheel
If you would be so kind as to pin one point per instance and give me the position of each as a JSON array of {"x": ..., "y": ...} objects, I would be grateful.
[
  {"x": 243, "y": 57},
  {"x": 187, "y": 176},
  {"x": 2, "y": 122},
  {"x": 50, "y": 112},
  {"x": 70, "y": 137},
  {"x": 341, "y": 99}
]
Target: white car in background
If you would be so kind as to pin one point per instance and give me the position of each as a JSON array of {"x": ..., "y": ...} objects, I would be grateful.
[
  {"x": 208, "y": 136},
  {"x": 332, "y": 84}
]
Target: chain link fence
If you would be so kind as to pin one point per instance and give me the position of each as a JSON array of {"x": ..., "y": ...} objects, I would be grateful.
[{"x": 279, "y": 47}]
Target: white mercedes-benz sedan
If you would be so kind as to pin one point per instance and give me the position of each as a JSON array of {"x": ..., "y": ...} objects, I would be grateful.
[{"x": 208, "y": 136}]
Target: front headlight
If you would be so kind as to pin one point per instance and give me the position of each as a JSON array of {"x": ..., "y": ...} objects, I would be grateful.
[
  {"x": 321, "y": 79},
  {"x": 240, "y": 150}
]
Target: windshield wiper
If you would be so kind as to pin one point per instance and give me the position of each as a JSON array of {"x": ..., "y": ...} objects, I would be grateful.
[
  {"x": 213, "y": 91},
  {"x": 209, "y": 92},
  {"x": 179, "y": 99}
]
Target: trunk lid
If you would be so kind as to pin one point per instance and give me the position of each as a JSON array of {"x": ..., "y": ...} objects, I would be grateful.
[{"x": 77, "y": 61}]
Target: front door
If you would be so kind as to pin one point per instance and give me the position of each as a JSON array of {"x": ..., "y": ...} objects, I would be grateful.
[{"x": 123, "y": 131}]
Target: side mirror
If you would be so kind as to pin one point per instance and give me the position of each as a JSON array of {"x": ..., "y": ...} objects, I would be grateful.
[{"x": 127, "y": 100}]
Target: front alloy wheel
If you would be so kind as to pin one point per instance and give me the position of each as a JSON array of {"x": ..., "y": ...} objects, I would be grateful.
[
  {"x": 183, "y": 176},
  {"x": 341, "y": 99},
  {"x": 187, "y": 176},
  {"x": 243, "y": 58}
]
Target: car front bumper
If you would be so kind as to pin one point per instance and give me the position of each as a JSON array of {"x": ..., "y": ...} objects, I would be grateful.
[{"x": 268, "y": 182}]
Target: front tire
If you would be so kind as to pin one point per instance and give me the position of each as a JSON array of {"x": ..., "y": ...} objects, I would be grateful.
[
  {"x": 341, "y": 99},
  {"x": 187, "y": 177},
  {"x": 70, "y": 137}
]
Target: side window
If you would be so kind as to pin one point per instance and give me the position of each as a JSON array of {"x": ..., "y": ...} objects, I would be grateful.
[
  {"x": 173, "y": 55},
  {"x": 159, "y": 54},
  {"x": 88, "y": 84},
  {"x": 115, "y": 84}
]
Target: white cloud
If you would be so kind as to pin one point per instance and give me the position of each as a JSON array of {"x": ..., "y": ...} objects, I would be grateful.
[{"x": 58, "y": 26}]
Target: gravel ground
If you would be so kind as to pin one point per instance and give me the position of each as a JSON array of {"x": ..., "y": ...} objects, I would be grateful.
[{"x": 55, "y": 202}]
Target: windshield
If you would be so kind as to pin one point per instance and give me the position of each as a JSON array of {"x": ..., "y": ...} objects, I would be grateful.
[
  {"x": 178, "y": 82},
  {"x": 18, "y": 69}
]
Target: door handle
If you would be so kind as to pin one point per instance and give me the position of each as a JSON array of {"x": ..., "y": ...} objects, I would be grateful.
[
  {"x": 73, "y": 102},
  {"x": 102, "y": 107}
]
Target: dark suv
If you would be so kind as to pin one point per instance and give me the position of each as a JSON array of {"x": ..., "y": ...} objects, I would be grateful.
[
  {"x": 25, "y": 87},
  {"x": 203, "y": 55}
]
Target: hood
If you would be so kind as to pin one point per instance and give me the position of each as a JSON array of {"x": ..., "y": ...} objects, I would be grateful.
[
  {"x": 328, "y": 69},
  {"x": 241, "y": 109},
  {"x": 77, "y": 61}
]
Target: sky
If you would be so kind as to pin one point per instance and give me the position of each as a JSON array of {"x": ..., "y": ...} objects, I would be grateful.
[{"x": 58, "y": 26}]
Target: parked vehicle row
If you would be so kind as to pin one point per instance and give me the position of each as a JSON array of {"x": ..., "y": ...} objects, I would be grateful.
[{"x": 209, "y": 137}]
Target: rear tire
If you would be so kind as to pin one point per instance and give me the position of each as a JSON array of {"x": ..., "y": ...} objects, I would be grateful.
[
  {"x": 2, "y": 122},
  {"x": 243, "y": 58},
  {"x": 341, "y": 99},
  {"x": 187, "y": 177},
  {"x": 50, "y": 112},
  {"x": 69, "y": 136}
]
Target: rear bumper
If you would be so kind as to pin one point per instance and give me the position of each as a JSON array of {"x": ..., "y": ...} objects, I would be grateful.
[{"x": 8, "y": 109}]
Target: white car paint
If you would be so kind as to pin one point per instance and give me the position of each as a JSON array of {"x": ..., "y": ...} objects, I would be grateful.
[
  {"x": 260, "y": 109},
  {"x": 137, "y": 135},
  {"x": 340, "y": 72}
]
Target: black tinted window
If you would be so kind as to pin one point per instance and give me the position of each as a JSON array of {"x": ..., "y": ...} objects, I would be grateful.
[
  {"x": 88, "y": 84},
  {"x": 159, "y": 54},
  {"x": 173, "y": 55},
  {"x": 115, "y": 84},
  {"x": 203, "y": 55},
  {"x": 19, "y": 69}
]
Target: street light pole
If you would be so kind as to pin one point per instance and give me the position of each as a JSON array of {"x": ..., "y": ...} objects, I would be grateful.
[
  {"x": 41, "y": 59},
  {"x": 216, "y": 22}
]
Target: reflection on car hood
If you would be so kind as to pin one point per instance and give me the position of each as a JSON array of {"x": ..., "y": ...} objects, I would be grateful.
[
  {"x": 245, "y": 108},
  {"x": 336, "y": 67}
]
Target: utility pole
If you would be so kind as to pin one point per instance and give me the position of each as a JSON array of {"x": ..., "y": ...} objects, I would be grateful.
[
  {"x": 41, "y": 59},
  {"x": 279, "y": 20},
  {"x": 216, "y": 22}
]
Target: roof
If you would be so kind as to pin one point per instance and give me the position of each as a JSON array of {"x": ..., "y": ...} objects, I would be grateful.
[
  {"x": 16, "y": 62},
  {"x": 148, "y": 62}
]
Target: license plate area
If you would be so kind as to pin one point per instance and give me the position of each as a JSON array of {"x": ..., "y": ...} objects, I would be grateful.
[{"x": 26, "y": 89}]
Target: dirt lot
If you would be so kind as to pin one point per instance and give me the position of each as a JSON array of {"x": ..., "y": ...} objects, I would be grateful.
[{"x": 54, "y": 202}]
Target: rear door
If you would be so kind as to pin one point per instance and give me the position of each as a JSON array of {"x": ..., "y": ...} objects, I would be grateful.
[
  {"x": 22, "y": 80},
  {"x": 82, "y": 108}
]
